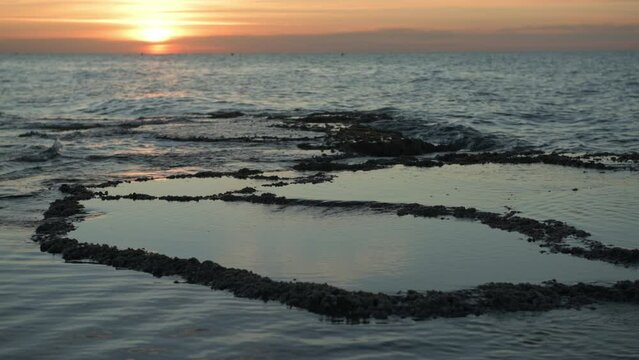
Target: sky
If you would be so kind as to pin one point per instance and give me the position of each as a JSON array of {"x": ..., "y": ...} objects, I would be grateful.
[{"x": 311, "y": 26}]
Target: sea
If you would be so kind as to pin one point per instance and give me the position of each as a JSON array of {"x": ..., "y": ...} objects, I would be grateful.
[{"x": 95, "y": 118}]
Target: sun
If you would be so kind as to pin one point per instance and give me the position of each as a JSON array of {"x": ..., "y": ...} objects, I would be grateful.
[{"x": 155, "y": 34}]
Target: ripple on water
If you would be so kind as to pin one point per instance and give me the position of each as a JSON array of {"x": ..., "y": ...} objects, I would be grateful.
[
  {"x": 72, "y": 311},
  {"x": 49, "y": 309},
  {"x": 604, "y": 204}
]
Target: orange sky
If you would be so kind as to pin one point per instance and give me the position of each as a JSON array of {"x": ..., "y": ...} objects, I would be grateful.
[{"x": 316, "y": 26}]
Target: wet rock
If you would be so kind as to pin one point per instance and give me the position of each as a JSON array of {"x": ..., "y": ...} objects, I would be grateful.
[
  {"x": 136, "y": 196},
  {"x": 52, "y": 227},
  {"x": 246, "y": 190},
  {"x": 301, "y": 127},
  {"x": 200, "y": 175},
  {"x": 240, "y": 174},
  {"x": 241, "y": 139},
  {"x": 598, "y": 251},
  {"x": 225, "y": 114},
  {"x": 78, "y": 192},
  {"x": 365, "y": 140},
  {"x": 307, "y": 146},
  {"x": 351, "y": 132},
  {"x": 107, "y": 184},
  {"x": 245, "y": 173},
  {"x": 615, "y": 157},
  {"x": 344, "y": 117},
  {"x": 319, "y": 164},
  {"x": 144, "y": 179},
  {"x": 317, "y": 178},
  {"x": 63, "y": 208},
  {"x": 58, "y": 245},
  {"x": 634, "y": 157},
  {"x": 182, "y": 198},
  {"x": 520, "y": 158},
  {"x": 352, "y": 305},
  {"x": 278, "y": 184}
]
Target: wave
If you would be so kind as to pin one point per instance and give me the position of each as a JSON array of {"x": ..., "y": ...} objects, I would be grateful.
[
  {"x": 9, "y": 120},
  {"x": 40, "y": 156},
  {"x": 35, "y": 134},
  {"x": 17, "y": 196},
  {"x": 149, "y": 104},
  {"x": 64, "y": 125},
  {"x": 460, "y": 136}
]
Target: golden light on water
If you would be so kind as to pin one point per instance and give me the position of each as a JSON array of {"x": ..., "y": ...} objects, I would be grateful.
[{"x": 160, "y": 49}]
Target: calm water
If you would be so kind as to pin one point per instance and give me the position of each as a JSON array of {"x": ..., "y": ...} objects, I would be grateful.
[
  {"x": 108, "y": 114},
  {"x": 361, "y": 250}
]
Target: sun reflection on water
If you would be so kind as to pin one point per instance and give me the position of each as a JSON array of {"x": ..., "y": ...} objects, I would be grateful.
[{"x": 160, "y": 49}]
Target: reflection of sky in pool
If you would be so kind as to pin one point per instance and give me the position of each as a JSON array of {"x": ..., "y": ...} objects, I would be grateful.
[
  {"x": 605, "y": 204},
  {"x": 355, "y": 251}
]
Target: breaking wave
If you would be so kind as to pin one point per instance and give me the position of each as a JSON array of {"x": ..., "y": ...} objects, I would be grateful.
[{"x": 39, "y": 155}]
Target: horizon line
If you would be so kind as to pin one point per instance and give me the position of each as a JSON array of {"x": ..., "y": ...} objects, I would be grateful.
[{"x": 416, "y": 52}]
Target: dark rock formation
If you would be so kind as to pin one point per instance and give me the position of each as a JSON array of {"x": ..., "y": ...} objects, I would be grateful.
[
  {"x": 365, "y": 140},
  {"x": 354, "y": 306},
  {"x": 240, "y": 174},
  {"x": 344, "y": 117},
  {"x": 241, "y": 139},
  {"x": 326, "y": 164},
  {"x": 63, "y": 208},
  {"x": 225, "y": 114}
]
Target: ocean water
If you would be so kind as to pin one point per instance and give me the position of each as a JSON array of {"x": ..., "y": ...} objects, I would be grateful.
[{"x": 94, "y": 118}]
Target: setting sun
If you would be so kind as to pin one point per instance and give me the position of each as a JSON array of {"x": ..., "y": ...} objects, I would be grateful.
[
  {"x": 249, "y": 26},
  {"x": 155, "y": 34}
]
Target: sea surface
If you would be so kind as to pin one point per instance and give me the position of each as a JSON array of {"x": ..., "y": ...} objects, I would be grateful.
[{"x": 66, "y": 118}]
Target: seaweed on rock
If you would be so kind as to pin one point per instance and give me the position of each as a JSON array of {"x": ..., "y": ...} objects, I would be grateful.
[
  {"x": 353, "y": 134},
  {"x": 355, "y": 306},
  {"x": 334, "y": 302}
]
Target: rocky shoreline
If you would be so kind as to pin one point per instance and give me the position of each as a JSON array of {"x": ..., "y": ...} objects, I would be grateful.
[
  {"x": 334, "y": 302},
  {"x": 348, "y": 136},
  {"x": 352, "y": 135}
]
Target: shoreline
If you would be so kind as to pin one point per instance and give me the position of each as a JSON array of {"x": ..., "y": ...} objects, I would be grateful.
[
  {"x": 322, "y": 299},
  {"x": 354, "y": 141}
]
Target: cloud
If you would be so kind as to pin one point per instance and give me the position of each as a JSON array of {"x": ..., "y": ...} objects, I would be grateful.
[
  {"x": 560, "y": 38},
  {"x": 584, "y": 37}
]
